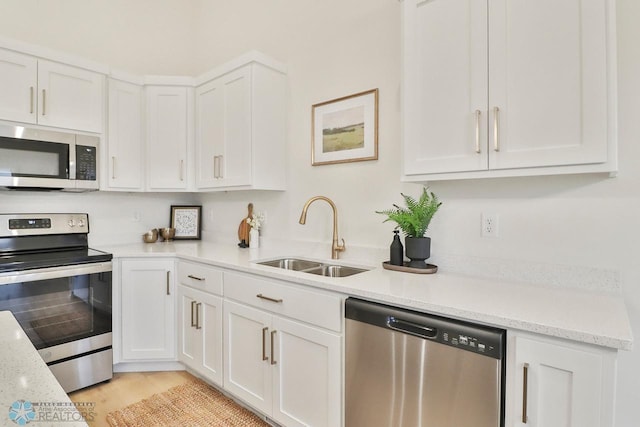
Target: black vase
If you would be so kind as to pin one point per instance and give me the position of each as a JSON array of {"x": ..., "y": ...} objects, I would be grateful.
[{"x": 418, "y": 249}]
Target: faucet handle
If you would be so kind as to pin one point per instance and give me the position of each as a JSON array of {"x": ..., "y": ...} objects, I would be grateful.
[{"x": 341, "y": 247}]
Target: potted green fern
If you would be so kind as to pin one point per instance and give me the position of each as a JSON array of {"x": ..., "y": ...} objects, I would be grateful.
[{"x": 414, "y": 221}]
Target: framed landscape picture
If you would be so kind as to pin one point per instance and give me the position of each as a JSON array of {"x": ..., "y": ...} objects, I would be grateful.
[
  {"x": 345, "y": 129},
  {"x": 187, "y": 221}
]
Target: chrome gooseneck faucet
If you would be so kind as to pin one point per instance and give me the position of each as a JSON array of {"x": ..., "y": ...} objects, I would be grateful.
[{"x": 335, "y": 246}]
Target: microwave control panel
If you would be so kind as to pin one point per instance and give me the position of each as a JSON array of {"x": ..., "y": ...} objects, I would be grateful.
[{"x": 86, "y": 163}]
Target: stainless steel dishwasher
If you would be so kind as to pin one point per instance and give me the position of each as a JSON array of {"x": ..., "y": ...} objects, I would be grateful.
[{"x": 410, "y": 369}]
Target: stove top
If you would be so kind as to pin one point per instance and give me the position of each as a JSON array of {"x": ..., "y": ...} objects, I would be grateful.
[
  {"x": 30, "y": 261},
  {"x": 30, "y": 241}
]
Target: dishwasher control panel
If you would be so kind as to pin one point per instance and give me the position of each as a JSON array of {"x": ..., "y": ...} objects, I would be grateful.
[{"x": 472, "y": 337}]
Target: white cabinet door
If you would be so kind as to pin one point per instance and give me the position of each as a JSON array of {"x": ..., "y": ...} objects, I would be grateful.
[
  {"x": 445, "y": 80},
  {"x": 223, "y": 135},
  {"x": 508, "y": 87},
  {"x": 124, "y": 148},
  {"x": 189, "y": 349},
  {"x": 548, "y": 78},
  {"x": 247, "y": 369},
  {"x": 18, "y": 87},
  {"x": 566, "y": 385},
  {"x": 70, "y": 97},
  {"x": 167, "y": 136},
  {"x": 148, "y": 310},
  {"x": 308, "y": 381},
  {"x": 200, "y": 333}
]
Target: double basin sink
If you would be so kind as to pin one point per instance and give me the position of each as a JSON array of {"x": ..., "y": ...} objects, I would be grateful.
[{"x": 313, "y": 267}]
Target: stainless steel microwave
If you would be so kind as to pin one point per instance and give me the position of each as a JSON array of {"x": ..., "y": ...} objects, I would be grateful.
[{"x": 39, "y": 159}]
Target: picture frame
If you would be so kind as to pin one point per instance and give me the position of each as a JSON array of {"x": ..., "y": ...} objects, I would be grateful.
[
  {"x": 187, "y": 220},
  {"x": 345, "y": 129}
]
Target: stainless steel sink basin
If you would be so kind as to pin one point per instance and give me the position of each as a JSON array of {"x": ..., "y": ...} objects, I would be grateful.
[
  {"x": 292, "y": 264},
  {"x": 313, "y": 267},
  {"x": 335, "y": 270}
]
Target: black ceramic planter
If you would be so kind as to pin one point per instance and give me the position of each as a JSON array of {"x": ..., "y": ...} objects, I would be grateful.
[{"x": 418, "y": 249}]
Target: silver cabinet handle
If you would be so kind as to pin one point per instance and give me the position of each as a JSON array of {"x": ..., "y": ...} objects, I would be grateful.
[
  {"x": 168, "y": 274},
  {"x": 31, "y": 100},
  {"x": 264, "y": 344},
  {"x": 269, "y": 298},
  {"x": 273, "y": 359},
  {"x": 478, "y": 114},
  {"x": 193, "y": 323},
  {"x": 44, "y": 101},
  {"x": 181, "y": 170},
  {"x": 220, "y": 169},
  {"x": 195, "y": 278},
  {"x": 525, "y": 380},
  {"x": 113, "y": 167},
  {"x": 198, "y": 305},
  {"x": 215, "y": 167},
  {"x": 496, "y": 125}
]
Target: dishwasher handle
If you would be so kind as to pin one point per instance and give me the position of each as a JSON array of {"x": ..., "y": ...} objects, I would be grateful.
[{"x": 411, "y": 328}]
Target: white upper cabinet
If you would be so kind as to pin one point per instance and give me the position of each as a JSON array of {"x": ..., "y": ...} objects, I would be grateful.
[
  {"x": 125, "y": 144},
  {"x": 167, "y": 137},
  {"x": 224, "y": 130},
  {"x": 504, "y": 88},
  {"x": 70, "y": 97},
  {"x": 241, "y": 130},
  {"x": 50, "y": 93},
  {"x": 18, "y": 86}
]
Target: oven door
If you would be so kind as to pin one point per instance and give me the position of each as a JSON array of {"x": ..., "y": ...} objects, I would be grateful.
[{"x": 65, "y": 311}]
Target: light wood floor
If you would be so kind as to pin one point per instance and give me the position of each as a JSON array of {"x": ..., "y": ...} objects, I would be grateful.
[{"x": 125, "y": 389}]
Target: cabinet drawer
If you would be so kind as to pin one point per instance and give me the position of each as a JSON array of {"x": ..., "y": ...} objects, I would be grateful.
[
  {"x": 200, "y": 276},
  {"x": 317, "y": 308}
]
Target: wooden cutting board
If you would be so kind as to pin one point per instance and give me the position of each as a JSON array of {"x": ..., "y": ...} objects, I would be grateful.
[{"x": 244, "y": 227}]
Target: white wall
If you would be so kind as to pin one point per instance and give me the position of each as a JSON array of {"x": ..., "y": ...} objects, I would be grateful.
[
  {"x": 140, "y": 36},
  {"x": 334, "y": 48},
  {"x": 114, "y": 218}
]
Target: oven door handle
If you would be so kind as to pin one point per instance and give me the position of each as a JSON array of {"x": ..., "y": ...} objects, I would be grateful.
[{"x": 54, "y": 272}]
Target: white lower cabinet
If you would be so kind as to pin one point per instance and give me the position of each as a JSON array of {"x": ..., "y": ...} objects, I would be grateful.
[
  {"x": 200, "y": 332},
  {"x": 287, "y": 369},
  {"x": 560, "y": 383},
  {"x": 148, "y": 309}
]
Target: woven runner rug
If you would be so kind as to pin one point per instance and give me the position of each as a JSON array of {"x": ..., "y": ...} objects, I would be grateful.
[{"x": 193, "y": 404}]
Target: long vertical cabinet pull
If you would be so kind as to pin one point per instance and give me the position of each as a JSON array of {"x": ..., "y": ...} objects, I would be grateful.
[
  {"x": 168, "y": 274},
  {"x": 264, "y": 344},
  {"x": 478, "y": 113},
  {"x": 113, "y": 167},
  {"x": 215, "y": 167},
  {"x": 31, "y": 100},
  {"x": 273, "y": 359},
  {"x": 198, "y": 305},
  {"x": 496, "y": 126},
  {"x": 220, "y": 169},
  {"x": 525, "y": 380},
  {"x": 193, "y": 324},
  {"x": 181, "y": 170},
  {"x": 44, "y": 101}
]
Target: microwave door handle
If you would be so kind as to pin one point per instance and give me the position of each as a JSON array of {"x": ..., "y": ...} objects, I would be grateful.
[{"x": 72, "y": 161}]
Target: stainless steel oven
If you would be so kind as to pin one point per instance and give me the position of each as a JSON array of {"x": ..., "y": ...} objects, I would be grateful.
[{"x": 60, "y": 291}]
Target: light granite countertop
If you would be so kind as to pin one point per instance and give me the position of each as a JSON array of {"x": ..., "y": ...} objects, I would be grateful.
[
  {"x": 28, "y": 389},
  {"x": 588, "y": 316}
]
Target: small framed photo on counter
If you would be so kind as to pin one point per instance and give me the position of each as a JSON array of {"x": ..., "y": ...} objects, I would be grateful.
[{"x": 187, "y": 221}]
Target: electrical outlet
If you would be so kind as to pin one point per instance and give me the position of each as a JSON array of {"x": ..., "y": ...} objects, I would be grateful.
[{"x": 489, "y": 225}]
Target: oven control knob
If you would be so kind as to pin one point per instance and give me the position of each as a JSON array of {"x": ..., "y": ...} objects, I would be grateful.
[
  {"x": 81, "y": 223},
  {"x": 72, "y": 223}
]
